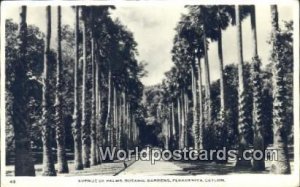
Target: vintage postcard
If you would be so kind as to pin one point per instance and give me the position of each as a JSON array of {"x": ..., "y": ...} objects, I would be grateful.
[{"x": 150, "y": 93}]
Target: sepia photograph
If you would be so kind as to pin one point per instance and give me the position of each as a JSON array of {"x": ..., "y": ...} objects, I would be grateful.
[{"x": 151, "y": 93}]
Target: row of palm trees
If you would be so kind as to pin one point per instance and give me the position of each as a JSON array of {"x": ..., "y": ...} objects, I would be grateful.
[
  {"x": 107, "y": 91},
  {"x": 190, "y": 50}
]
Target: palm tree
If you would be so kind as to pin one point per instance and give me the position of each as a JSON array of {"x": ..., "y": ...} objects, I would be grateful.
[
  {"x": 201, "y": 15},
  {"x": 126, "y": 120},
  {"x": 114, "y": 124},
  {"x": 200, "y": 103},
  {"x": 195, "y": 105},
  {"x": 76, "y": 124},
  {"x": 186, "y": 110},
  {"x": 172, "y": 128},
  {"x": 242, "y": 125},
  {"x": 223, "y": 14},
  {"x": 258, "y": 140},
  {"x": 207, "y": 81},
  {"x": 179, "y": 121},
  {"x": 123, "y": 123},
  {"x": 60, "y": 129},
  {"x": 183, "y": 119},
  {"x": 23, "y": 160},
  {"x": 48, "y": 163},
  {"x": 222, "y": 90},
  {"x": 98, "y": 107},
  {"x": 108, "y": 117},
  {"x": 93, "y": 112},
  {"x": 282, "y": 164},
  {"x": 85, "y": 127}
]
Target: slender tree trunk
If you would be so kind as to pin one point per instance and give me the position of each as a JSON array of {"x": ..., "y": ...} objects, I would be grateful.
[
  {"x": 282, "y": 164},
  {"x": 93, "y": 117},
  {"x": 123, "y": 122},
  {"x": 195, "y": 113},
  {"x": 182, "y": 135},
  {"x": 117, "y": 122},
  {"x": 120, "y": 106},
  {"x": 98, "y": 109},
  {"x": 134, "y": 132},
  {"x": 166, "y": 133},
  {"x": 60, "y": 128},
  {"x": 108, "y": 117},
  {"x": 186, "y": 110},
  {"x": 48, "y": 163},
  {"x": 113, "y": 131},
  {"x": 24, "y": 165},
  {"x": 179, "y": 121},
  {"x": 242, "y": 122},
  {"x": 207, "y": 83},
  {"x": 222, "y": 89},
  {"x": 258, "y": 139},
  {"x": 173, "y": 129},
  {"x": 221, "y": 127},
  {"x": 84, "y": 123},
  {"x": 76, "y": 124},
  {"x": 127, "y": 125},
  {"x": 201, "y": 122},
  {"x": 209, "y": 136},
  {"x": 103, "y": 102},
  {"x": 131, "y": 133}
]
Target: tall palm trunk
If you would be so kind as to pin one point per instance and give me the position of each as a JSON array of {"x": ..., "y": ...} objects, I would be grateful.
[
  {"x": 123, "y": 123},
  {"x": 258, "y": 139},
  {"x": 60, "y": 128},
  {"x": 76, "y": 123},
  {"x": 97, "y": 110},
  {"x": 208, "y": 134},
  {"x": 207, "y": 82},
  {"x": 195, "y": 113},
  {"x": 179, "y": 121},
  {"x": 282, "y": 164},
  {"x": 108, "y": 117},
  {"x": 115, "y": 125},
  {"x": 127, "y": 125},
  {"x": 222, "y": 89},
  {"x": 166, "y": 133},
  {"x": 113, "y": 128},
  {"x": 221, "y": 128},
  {"x": 119, "y": 125},
  {"x": 173, "y": 128},
  {"x": 24, "y": 165},
  {"x": 48, "y": 163},
  {"x": 242, "y": 123},
  {"x": 93, "y": 112},
  {"x": 208, "y": 128},
  {"x": 182, "y": 132},
  {"x": 201, "y": 123},
  {"x": 103, "y": 114},
  {"x": 186, "y": 110},
  {"x": 131, "y": 128},
  {"x": 84, "y": 122},
  {"x": 134, "y": 132}
]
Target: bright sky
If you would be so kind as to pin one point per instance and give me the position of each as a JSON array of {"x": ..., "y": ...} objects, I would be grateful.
[{"x": 153, "y": 29}]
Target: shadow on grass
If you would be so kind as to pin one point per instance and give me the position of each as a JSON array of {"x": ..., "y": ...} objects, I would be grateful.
[{"x": 212, "y": 168}]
